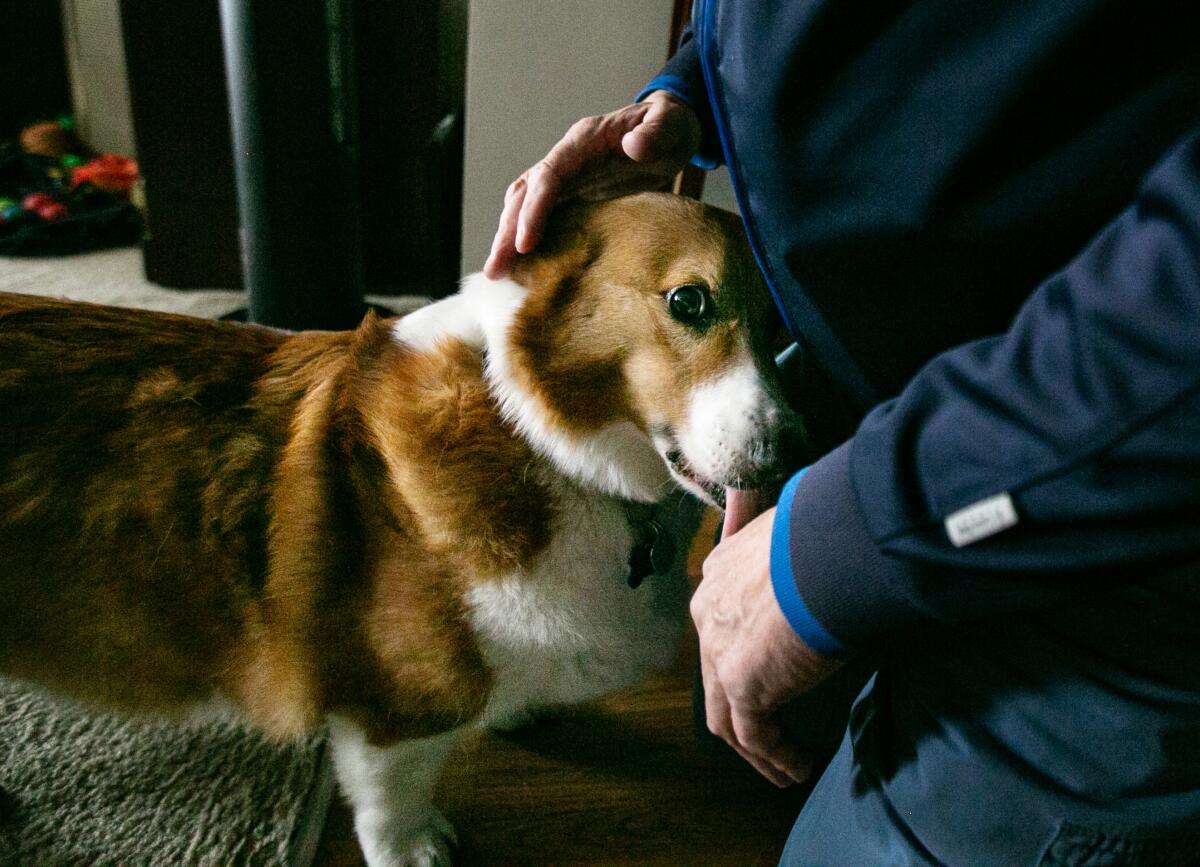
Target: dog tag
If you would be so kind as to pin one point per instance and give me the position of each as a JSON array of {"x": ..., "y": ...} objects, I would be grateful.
[
  {"x": 662, "y": 550},
  {"x": 653, "y": 555}
]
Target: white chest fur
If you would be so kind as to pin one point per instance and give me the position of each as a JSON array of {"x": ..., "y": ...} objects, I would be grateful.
[{"x": 571, "y": 628}]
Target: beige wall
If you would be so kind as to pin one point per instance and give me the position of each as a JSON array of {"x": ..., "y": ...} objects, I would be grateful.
[
  {"x": 99, "y": 86},
  {"x": 534, "y": 67}
]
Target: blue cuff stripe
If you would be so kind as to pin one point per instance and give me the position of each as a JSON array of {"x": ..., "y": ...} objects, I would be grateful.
[
  {"x": 783, "y": 578},
  {"x": 688, "y": 94},
  {"x": 674, "y": 84}
]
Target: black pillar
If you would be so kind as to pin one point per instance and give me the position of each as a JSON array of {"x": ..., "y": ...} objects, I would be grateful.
[{"x": 291, "y": 94}]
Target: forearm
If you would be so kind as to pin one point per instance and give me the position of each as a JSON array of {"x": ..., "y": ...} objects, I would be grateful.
[{"x": 1084, "y": 417}]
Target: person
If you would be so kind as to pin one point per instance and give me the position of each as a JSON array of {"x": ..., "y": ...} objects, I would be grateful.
[{"x": 981, "y": 223}]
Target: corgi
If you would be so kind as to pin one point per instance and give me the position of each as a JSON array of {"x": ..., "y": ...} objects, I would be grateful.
[{"x": 429, "y": 523}]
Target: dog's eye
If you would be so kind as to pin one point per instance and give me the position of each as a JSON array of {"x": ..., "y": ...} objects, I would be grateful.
[{"x": 689, "y": 303}]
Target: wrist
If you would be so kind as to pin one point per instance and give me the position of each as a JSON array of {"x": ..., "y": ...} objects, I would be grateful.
[{"x": 666, "y": 96}]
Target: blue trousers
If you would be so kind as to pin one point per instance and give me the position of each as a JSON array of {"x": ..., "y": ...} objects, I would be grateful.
[{"x": 1066, "y": 738}]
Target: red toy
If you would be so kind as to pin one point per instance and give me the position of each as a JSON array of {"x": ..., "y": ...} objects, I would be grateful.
[
  {"x": 53, "y": 211},
  {"x": 35, "y": 201},
  {"x": 107, "y": 172}
]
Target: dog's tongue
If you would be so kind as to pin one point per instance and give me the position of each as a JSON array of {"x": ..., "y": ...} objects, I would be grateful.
[{"x": 741, "y": 507}]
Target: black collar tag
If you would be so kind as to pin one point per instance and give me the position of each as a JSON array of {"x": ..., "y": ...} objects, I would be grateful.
[{"x": 653, "y": 554}]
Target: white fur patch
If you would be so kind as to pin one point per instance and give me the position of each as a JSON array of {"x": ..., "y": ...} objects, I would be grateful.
[
  {"x": 729, "y": 419},
  {"x": 618, "y": 459},
  {"x": 450, "y": 318},
  {"x": 391, "y": 791},
  {"x": 571, "y": 628}
]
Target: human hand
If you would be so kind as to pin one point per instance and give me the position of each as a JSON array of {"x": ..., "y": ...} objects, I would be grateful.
[
  {"x": 636, "y": 148},
  {"x": 751, "y": 660}
]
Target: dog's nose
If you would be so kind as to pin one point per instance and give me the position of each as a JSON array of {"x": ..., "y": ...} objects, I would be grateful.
[{"x": 775, "y": 456}]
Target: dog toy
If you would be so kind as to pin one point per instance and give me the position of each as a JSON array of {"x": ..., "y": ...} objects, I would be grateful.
[
  {"x": 107, "y": 172},
  {"x": 45, "y": 206},
  {"x": 51, "y": 138}
]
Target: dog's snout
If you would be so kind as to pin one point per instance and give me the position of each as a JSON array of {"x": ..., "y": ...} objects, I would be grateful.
[
  {"x": 741, "y": 433},
  {"x": 775, "y": 455}
]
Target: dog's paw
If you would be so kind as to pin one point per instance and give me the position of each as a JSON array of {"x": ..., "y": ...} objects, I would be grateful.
[{"x": 427, "y": 842}]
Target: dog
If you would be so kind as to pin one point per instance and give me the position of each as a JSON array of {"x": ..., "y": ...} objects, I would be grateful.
[{"x": 425, "y": 524}]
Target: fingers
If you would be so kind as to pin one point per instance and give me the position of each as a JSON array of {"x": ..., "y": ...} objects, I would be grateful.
[
  {"x": 504, "y": 248},
  {"x": 589, "y": 146},
  {"x": 530, "y": 197},
  {"x": 669, "y": 130},
  {"x": 546, "y": 180},
  {"x": 763, "y": 738},
  {"x": 731, "y": 712},
  {"x": 592, "y": 146},
  {"x": 758, "y": 740}
]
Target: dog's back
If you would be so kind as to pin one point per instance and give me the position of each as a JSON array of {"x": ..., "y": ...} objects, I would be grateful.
[
  {"x": 127, "y": 442},
  {"x": 191, "y": 509}
]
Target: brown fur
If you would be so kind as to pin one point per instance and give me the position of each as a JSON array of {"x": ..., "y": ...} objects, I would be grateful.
[
  {"x": 595, "y": 341},
  {"x": 191, "y": 506}
]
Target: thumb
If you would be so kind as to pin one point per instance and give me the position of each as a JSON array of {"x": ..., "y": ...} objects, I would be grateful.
[{"x": 669, "y": 130}]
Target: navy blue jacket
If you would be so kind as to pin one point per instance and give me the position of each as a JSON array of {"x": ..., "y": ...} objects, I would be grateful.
[{"x": 986, "y": 216}]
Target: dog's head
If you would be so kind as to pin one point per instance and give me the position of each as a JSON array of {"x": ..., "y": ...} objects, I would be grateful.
[{"x": 636, "y": 349}]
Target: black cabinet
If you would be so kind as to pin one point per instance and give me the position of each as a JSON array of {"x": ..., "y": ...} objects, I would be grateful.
[
  {"x": 33, "y": 65},
  {"x": 399, "y": 69}
]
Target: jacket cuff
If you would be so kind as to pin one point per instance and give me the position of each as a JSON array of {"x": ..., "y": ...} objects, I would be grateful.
[
  {"x": 683, "y": 77},
  {"x": 834, "y": 585},
  {"x": 783, "y": 578}
]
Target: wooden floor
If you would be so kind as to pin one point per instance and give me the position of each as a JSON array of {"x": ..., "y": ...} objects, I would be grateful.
[{"x": 619, "y": 783}]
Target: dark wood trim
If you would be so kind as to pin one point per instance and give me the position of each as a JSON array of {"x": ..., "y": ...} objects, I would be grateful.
[{"x": 681, "y": 12}]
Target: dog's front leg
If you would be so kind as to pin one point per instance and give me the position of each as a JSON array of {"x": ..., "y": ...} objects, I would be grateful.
[{"x": 390, "y": 789}]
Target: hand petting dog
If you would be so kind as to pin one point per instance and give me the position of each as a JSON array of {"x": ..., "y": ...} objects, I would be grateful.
[{"x": 635, "y": 148}]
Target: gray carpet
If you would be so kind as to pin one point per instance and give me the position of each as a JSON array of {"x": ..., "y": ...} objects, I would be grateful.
[
  {"x": 116, "y": 277},
  {"x": 110, "y": 277},
  {"x": 79, "y": 787}
]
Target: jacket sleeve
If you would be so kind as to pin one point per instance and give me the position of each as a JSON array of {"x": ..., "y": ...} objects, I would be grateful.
[
  {"x": 1019, "y": 469},
  {"x": 684, "y": 77}
]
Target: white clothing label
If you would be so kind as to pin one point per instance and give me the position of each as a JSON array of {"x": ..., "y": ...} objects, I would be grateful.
[{"x": 980, "y": 520}]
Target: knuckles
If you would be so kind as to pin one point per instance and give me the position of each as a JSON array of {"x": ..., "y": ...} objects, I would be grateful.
[
  {"x": 719, "y": 727},
  {"x": 584, "y": 127},
  {"x": 516, "y": 187},
  {"x": 543, "y": 168}
]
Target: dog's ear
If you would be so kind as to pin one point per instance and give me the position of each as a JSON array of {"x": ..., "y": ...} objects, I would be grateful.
[
  {"x": 580, "y": 387},
  {"x": 569, "y": 246},
  {"x": 371, "y": 335}
]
